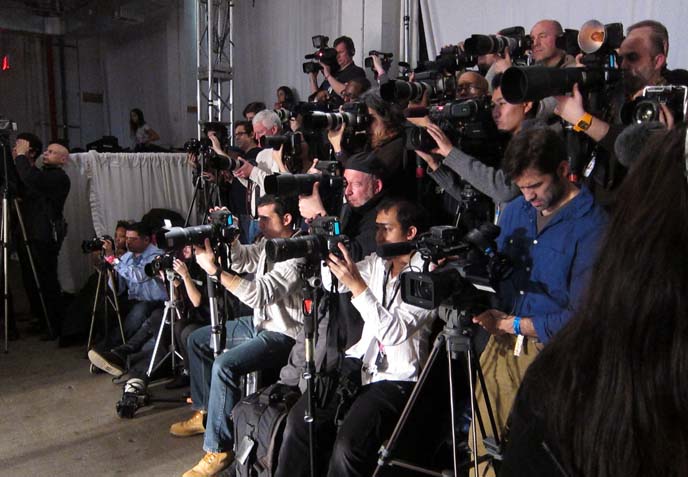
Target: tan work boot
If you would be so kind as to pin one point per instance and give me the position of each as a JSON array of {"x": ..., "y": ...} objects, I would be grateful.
[
  {"x": 190, "y": 427},
  {"x": 211, "y": 464}
]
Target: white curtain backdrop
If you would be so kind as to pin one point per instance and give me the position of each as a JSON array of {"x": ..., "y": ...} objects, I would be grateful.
[
  {"x": 110, "y": 187},
  {"x": 451, "y": 21}
]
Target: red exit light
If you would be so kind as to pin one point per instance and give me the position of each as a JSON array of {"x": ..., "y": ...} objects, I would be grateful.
[{"x": 5, "y": 62}]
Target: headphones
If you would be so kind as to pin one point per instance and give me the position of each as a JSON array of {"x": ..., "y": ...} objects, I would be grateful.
[{"x": 349, "y": 44}]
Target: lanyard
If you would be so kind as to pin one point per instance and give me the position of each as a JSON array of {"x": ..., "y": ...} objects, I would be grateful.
[{"x": 395, "y": 290}]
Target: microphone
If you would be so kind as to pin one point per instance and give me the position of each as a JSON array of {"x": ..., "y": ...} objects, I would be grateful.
[
  {"x": 389, "y": 250},
  {"x": 632, "y": 140}
]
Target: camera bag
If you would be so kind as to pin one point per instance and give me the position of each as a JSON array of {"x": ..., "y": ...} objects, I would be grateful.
[{"x": 259, "y": 421}]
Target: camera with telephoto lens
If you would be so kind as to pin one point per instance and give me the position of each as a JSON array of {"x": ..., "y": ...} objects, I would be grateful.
[
  {"x": 323, "y": 54},
  {"x": 436, "y": 84},
  {"x": 95, "y": 244},
  {"x": 463, "y": 121},
  {"x": 513, "y": 38},
  {"x": 385, "y": 59},
  {"x": 290, "y": 143},
  {"x": 450, "y": 60},
  {"x": 294, "y": 185},
  {"x": 353, "y": 115},
  {"x": 647, "y": 107},
  {"x": 474, "y": 266},
  {"x": 220, "y": 230},
  {"x": 203, "y": 149},
  {"x": 324, "y": 238},
  {"x": 159, "y": 264}
]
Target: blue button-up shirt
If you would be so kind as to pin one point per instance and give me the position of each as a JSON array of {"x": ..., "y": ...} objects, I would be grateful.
[
  {"x": 131, "y": 272},
  {"x": 551, "y": 268}
]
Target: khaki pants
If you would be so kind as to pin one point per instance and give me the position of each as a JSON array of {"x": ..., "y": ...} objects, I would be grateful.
[{"x": 503, "y": 375}]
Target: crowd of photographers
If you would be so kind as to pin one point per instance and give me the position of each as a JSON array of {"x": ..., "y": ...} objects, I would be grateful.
[{"x": 342, "y": 227}]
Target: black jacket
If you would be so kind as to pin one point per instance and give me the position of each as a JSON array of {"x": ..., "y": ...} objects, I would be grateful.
[{"x": 45, "y": 191}]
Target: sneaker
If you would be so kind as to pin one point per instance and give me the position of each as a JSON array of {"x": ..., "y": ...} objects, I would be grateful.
[
  {"x": 211, "y": 464},
  {"x": 190, "y": 427},
  {"x": 111, "y": 363}
]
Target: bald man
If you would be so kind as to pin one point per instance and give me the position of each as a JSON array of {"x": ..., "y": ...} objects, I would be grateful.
[
  {"x": 45, "y": 190},
  {"x": 470, "y": 84},
  {"x": 544, "y": 35}
]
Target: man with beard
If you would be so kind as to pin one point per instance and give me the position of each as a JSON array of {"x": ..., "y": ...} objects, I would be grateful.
[{"x": 643, "y": 61}]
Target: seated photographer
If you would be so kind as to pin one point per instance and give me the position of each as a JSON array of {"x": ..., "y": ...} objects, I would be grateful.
[
  {"x": 134, "y": 357},
  {"x": 551, "y": 235},
  {"x": 489, "y": 180},
  {"x": 257, "y": 342},
  {"x": 386, "y": 139},
  {"x": 605, "y": 396},
  {"x": 348, "y": 70},
  {"x": 382, "y": 365},
  {"x": 144, "y": 293}
]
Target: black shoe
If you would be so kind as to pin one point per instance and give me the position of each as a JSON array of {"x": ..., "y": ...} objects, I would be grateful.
[
  {"x": 181, "y": 381},
  {"x": 109, "y": 361}
]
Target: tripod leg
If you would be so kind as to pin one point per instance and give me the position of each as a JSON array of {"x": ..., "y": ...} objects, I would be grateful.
[
  {"x": 111, "y": 276},
  {"x": 386, "y": 450},
  {"x": 33, "y": 268},
  {"x": 6, "y": 291},
  {"x": 93, "y": 312},
  {"x": 150, "y": 370},
  {"x": 474, "y": 430}
]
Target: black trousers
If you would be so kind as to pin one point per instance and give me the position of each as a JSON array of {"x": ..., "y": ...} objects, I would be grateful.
[
  {"x": 352, "y": 451},
  {"x": 45, "y": 260}
]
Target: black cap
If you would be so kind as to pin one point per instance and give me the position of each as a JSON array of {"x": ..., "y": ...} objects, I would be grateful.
[{"x": 366, "y": 162}]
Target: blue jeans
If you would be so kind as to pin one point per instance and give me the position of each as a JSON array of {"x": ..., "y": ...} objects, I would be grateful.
[
  {"x": 215, "y": 381},
  {"x": 138, "y": 313}
]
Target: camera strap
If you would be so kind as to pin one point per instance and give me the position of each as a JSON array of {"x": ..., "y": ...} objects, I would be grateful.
[{"x": 395, "y": 289}]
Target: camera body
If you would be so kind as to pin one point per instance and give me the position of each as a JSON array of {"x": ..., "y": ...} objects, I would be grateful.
[
  {"x": 95, "y": 244},
  {"x": 385, "y": 59},
  {"x": 203, "y": 150},
  {"x": 437, "y": 85},
  {"x": 647, "y": 107},
  {"x": 513, "y": 38},
  {"x": 324, "y": 238},
  {"x": 159, "y": 264}
]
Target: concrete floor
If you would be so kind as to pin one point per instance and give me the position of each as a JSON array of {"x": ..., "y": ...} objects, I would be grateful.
[{"x": 57, "y": 419}]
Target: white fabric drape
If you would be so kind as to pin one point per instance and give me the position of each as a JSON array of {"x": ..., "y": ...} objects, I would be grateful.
[
  {"x": 109, "y": 187},
  {"x": 451, "y": 21}
]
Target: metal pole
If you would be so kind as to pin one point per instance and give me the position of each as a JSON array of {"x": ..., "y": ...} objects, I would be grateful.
[
  {"x": 210, "y": 32},
  {"x": 198, "y": 69}
]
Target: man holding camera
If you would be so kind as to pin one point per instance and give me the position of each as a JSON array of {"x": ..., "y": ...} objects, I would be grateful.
[
  {"x": 44, "y": 192},
  {"x": 379, "y": 369},
  {"x": 550, "y": 234},
  {"x": 348, "y": 70},
  {"x": 144, "y": 293},
  {"x": 261, "y": 341}
]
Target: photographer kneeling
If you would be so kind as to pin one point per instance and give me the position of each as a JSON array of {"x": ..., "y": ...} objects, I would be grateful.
[
  {"x": 257, "y": 342},
  {"x": 379, "y": 369}
]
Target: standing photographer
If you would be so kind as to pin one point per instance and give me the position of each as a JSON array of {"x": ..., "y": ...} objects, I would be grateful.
[
  {"x": 257, "y": 342},
  {"x": 347, "y": 69},
  {"x": 44, "y": 192},
  {"x": 382, "y": 365}
]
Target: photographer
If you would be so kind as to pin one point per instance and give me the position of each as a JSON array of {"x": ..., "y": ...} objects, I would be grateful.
[
  {"x": 144, "y": 293},
  {"x": 44, "y": 192},
  {"x": 491, "y": 181},
  {"x": 383, "y": 364},
  {"x": 551, "y": 235},
  {"x": 386, "y": 140},
  {"x": 257, "y": 342},
  {"x": 347, "y": 69},
  {"x": 544, "y": 51}
]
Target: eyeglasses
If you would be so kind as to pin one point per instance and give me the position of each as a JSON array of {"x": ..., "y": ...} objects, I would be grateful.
[{"x": 468, "y": 87}]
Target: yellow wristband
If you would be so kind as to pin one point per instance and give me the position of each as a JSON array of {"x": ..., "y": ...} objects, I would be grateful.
[{"x": 583, "y": 124}]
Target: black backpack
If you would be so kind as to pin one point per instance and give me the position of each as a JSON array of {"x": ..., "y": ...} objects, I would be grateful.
[{"x": 259, "y": 421}]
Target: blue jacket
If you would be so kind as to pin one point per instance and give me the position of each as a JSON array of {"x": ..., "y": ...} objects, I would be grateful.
[
  {"x": 131, "y": 273},
  {"x": 550, "y": 268}
]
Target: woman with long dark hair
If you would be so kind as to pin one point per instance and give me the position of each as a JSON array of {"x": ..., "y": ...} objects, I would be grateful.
[
  {"x": 141, "y": 133},
  {"x": 609, "y": 395}
]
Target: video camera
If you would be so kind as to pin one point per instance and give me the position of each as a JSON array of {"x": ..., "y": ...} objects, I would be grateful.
[
  {"x": 95, "y": 244},
  {"x": 385, "y": 58},
  {"x": 159, "y": 264},
  {"x": 474, "y": 266},
  {"x": 220, "y": 230},
  {"x": 646, "y": 108},
  {"x": 324, "y": 238},
  {"x": 323, "y": 54}
]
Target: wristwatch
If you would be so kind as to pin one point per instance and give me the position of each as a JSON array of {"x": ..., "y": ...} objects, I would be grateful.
[{"x": 583, "y": 123}]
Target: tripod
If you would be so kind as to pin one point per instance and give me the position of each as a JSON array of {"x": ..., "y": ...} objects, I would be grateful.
[
  {"x": 456, "y": 337},
  {"x": 210, "y": 191},
  {"x": 105, "y": 275},
  {"x": 169, "y": 315},
  {"x": 5, "y": 243}
]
